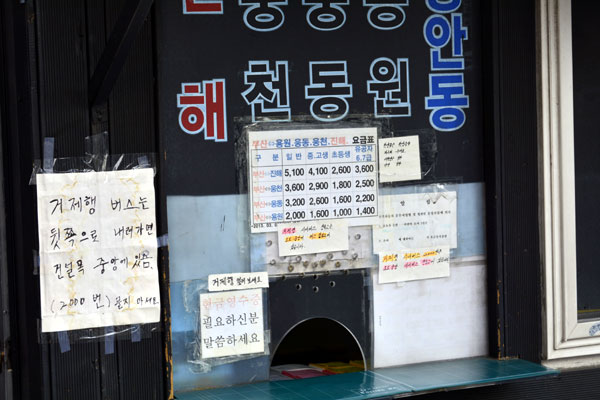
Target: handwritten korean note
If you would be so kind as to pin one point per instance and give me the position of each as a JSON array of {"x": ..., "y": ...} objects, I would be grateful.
[
  {"x": 410, "y": 265},
  {"x": 399, "y": 159},
  {"x": 415, "y": 221},
  {"x": 98, "y": 249},
  {"x": 248, "y": 280},
  {"x": 312, "y": 237},
  {"x": 232, "y": 323}
]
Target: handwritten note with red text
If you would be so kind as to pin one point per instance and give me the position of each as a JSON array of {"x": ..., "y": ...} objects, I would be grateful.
[
  {"x": 411, "y": 265},
  {"x": 313, "y": 237}
]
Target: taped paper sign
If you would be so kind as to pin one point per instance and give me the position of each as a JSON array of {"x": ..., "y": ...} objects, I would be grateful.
[
  {"x": 98, "y": 249},
  {"x": 312, "y": 174},
  {"x": 232, "y": 323},
  {"x": 312, "y": 237},
  {"x": 249, "y": 280},
  {"x": 411, "y": 265},
  {"x": 399, "y": 159},
  {"x": 415, "y": 221}
]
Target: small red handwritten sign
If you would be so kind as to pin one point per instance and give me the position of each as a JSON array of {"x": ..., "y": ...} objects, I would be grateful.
[
  {"x": 409, "y": 265},
  {"x": 313, "y": 237}
]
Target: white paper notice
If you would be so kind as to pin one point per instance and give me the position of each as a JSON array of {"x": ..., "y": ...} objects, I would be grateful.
[
  {"x": 312, "y": 174},
  {"x": 232, "y": 323},
  {"x": 237, "y": 281},
  {"x": 399, "y": 159},
  {"x": 312, "y": 237},
  {"x": 411, "y": 265},
  {"x": 98, "y": 249},
  {"x": 415, "y": 221}
]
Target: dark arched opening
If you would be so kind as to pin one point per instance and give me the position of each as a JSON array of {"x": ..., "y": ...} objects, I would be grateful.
[{"x": 319, "y": 341}]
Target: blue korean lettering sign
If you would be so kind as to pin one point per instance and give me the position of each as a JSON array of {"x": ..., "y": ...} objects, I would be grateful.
[{"x": 415, "y": 64}]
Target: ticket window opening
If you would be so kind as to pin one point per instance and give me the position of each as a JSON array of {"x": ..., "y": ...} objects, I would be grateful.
[{"x": 316, "y": 347}]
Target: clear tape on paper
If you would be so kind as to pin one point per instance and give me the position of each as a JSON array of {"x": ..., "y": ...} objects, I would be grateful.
[
  {"x": 96, "y": 159},
  {"x": 48, "y": 154},
  {"x": 116, "y": 333}
]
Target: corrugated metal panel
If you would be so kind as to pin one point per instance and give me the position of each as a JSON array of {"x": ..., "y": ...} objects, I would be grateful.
[
  {"x": 71, "y": 38},
  {"x": 63, "y": 76},
  {"x": 132, "y": 118},
  {"x": 141, "y": 368},
  {"x": 518, "y": 114},
  {"x": 76, "y": 373}
]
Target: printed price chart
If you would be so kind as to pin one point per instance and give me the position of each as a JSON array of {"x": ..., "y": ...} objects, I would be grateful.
[{"x": 301, "y": 175}]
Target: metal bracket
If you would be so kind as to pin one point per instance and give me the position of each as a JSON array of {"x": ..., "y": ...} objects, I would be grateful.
[{"x": 126, "y": 29}]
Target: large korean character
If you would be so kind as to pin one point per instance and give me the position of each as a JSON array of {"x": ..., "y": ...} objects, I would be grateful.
[
  {"x": 55, "y": 238},
  {"x": 203, "y": 6},
  {"x": 231, "y": 340},
  {"x": 203, "y": 109},
  {"x": 101, "y": 264},
  {"x": 58, "y": 206},
  {"x": 69, "y": 268},
  {"x": 326, "y": 15},
  {"x": 268, "y": 91},
  {"x": 220, "y": 340},
  {"x": 208, "y": 342},
  {"x": 443, "y": 6},
  {"x": 263, "y": 15},
  {"x": 386, "y": 14},
  {"x": 97, "y": 299},
  {"x": 328, "y": 90},
  {"x": 230, "y": 320},
  {"x": 438, "y": 32},
  {"x": 90, "y": 201},
  {"x": 254, "y": 338},
  {"x": 390, "y": 85},
  {"x": 446, "y": 100},
  {"x": 253, "y": 318},
  {"x": 58, "y": 271},
  {"x": 191, "y": 102},
  {"x": 243, "y": 338}
]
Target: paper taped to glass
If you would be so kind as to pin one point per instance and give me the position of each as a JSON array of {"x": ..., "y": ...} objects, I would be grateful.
[{"x": 98, "y": 249}]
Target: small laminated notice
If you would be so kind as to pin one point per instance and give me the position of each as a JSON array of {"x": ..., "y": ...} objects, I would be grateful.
[
  {"x": 312, "y": 237},
  {"x": 232, "y": 323},
  {"x": 247, "y": 280},
  {"x": 399, "y": 159},
  {"x": 410, "y": 265},
  {"x": 312, "y": 174},
  {"x": 98, "y": 249},
  {"x": 416, "y": 221}
]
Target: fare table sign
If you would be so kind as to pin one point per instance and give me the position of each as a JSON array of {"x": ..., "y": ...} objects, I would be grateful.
[
  {"x": 313, "y": 174},
  {"x": 98, "y": 249}
]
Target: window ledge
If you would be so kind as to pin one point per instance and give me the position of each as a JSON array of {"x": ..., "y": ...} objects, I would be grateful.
[
  {"x": 405, "y": 380},
  {"x": 574, "y": 363}
]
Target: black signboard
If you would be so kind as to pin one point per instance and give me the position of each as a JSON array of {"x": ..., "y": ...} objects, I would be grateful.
[{"x": 413, "y": 64}]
